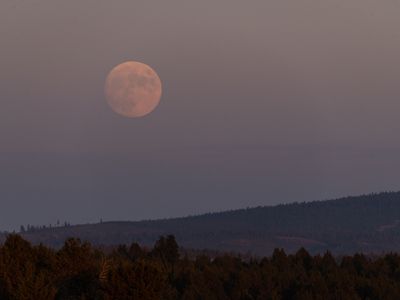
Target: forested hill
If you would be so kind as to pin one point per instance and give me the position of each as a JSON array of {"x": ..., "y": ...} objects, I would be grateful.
[{"x": 369, "y": 223}]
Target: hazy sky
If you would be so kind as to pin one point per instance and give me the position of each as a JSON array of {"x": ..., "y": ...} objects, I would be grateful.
[{"x": 263, "y": 102}]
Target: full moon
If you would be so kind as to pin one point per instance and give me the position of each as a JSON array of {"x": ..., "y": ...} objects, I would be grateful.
[{"x": 133, "y": 89}]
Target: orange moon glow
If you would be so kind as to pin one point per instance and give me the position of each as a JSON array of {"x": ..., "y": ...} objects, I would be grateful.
[{"x": 133, "y": 89}]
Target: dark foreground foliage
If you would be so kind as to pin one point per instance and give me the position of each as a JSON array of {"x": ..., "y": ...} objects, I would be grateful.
[{"x": 79, "y": 271}]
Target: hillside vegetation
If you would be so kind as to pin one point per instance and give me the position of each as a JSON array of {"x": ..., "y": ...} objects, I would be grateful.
[{"x": 369, "y": 223}]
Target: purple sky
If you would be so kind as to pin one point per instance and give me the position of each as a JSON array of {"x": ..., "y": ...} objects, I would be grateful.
[{"x": 263, "y": 102}]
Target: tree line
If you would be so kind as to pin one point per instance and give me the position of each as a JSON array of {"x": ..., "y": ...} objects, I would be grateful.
[
  {"x": 81, "y": 271},
  {"x": 369, "y": 223}
]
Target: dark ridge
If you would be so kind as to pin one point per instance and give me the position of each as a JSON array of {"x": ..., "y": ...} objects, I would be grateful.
[{"x": 368, "y": 223}]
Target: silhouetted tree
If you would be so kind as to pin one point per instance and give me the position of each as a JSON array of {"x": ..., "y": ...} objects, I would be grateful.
[{"x": 80, "y": 271}]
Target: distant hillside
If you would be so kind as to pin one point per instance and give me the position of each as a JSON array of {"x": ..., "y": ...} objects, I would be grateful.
[{"x": 369, "y": 223}]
